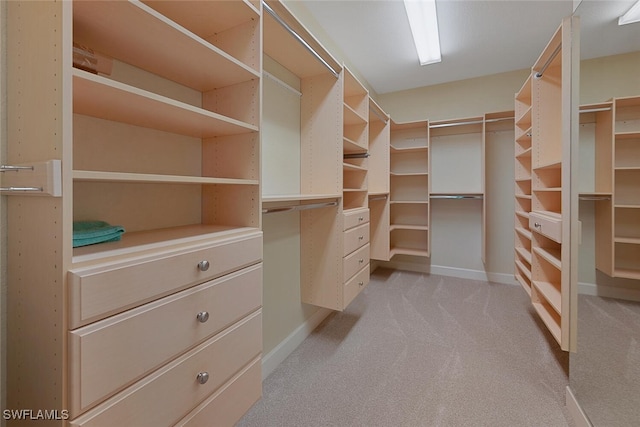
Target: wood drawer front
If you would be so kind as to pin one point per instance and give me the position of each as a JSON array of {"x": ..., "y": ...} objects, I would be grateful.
[
  {"x": 355, "y": 238},
  {"x": 165, "y": 396},
  {"x": 227, "y": 405},
  {"x": 108, "y": 355},
  {"x": 356, "y": 284},
  {"x": 101, "y": 291},
  {"x": 354, "y": 262},
  {"x": 549, "y": 226},
  {"x": 355, "y": 218}
]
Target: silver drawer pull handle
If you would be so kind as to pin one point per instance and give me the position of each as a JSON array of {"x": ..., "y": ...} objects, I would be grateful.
[
  {"x": 360, "y": 237},
  {"x": 361, "y": 219},
  {"x": 360, "y": 260},
  {"x": 537, "y": 225},
  {"x": 203, "y": 265},
  {"x": 203, "y": 316},
  {"x": 202, "y": 377},
  {"x": 361, "y": 283}
]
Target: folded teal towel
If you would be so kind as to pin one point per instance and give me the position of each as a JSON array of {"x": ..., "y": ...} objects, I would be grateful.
[{"x": 91, "y": 232}]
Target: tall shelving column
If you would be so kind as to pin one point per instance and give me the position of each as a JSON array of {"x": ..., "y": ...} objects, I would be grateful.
[
  {"x": 410, "y": 189},
  {"x": 379, "y": 130},
  {"x": 319, "y": 155},
  {"x": 523, "y": 185},
  {"x": 355, "y": 180},
  {"x": 554, "y": 215},
  {"x": 626, "y": 188},
  {"x": 183, "y": 94}
]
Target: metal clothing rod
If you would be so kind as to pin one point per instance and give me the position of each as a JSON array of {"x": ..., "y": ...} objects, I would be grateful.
[
  {"x": 595, "y": 198},
  {"x": 474, "y": 122},
  {"x": 380, "y": 116},
  {"x": 546, "y": 64},
  {"x": 595, "y": 110},
  {"x": 281, "y": 83},
  {"x": 300, "y": 39},
  {"x": 9, "y": 168},
  {"x": 39, "y": 189},
  {"x": 373, "y": 199},
  {"x": 299, "y": 207},
  {"x": 446, "y": 125},
  {"x": 456, "y": 196},
  {"x": 356, "y": 156}
]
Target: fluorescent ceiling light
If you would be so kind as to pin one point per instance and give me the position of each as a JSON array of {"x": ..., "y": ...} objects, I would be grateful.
[
  {"x": 632, "y": 15},
  {"x": 424, "y": 28}
]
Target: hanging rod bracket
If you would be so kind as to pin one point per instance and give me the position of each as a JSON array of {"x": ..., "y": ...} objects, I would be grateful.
[{"x": 37, "y": 179}]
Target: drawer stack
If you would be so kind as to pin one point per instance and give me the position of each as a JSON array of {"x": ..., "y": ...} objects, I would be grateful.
[
  {"x": 356, "y": 253},
  {"x": 167, "y": 337}
]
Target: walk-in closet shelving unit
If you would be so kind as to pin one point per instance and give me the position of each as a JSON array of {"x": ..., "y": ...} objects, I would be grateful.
[
  {"x": 459, "y": 145},
  {"x": 165, "y": 144},
  {"x": 333, "y": 122},
  {"x": 355, "y": 179},
  {"x": 618, "y": 221},
  {"x": 554, "y": 186},
  {"x": 523, "y": 150},
  {"x": 409, "y": 189},
  {"x": 379, "y": 209}
]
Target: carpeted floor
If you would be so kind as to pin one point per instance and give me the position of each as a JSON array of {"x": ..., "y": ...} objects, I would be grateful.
[{"x": 422, "y": 350}]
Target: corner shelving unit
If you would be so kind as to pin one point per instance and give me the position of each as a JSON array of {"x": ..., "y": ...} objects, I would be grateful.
[
  {"x": 618, "y": 245},
  {"x": 553, "y": 220},
  {"x": 409, "y": 189}
]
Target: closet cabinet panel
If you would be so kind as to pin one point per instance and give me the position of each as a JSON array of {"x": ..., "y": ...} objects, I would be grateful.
[
  {"x": 553, "y": 220},
  {"x": 118, "y": 82},
  {"x": 379, "y": 134}
]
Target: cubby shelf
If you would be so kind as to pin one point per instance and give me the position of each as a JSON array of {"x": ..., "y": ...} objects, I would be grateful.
[{"x": 79, "y": 175}]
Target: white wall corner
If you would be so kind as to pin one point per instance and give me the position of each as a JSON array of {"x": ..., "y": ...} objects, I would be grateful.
[
  {"x": 575, "y": 410},
  {"x": 276, "y": 356}
]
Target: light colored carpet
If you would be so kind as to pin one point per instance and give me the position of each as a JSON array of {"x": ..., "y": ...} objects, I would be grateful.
[{"x": 422, "y": 350}]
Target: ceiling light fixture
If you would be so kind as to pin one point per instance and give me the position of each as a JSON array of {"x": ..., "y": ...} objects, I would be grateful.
[
  {"x": 424, "y": 28},
  {"x": 632, "y": 15}
]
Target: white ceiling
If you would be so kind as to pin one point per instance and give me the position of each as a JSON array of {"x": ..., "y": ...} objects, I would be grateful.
[{"x": 477, "y": 37}]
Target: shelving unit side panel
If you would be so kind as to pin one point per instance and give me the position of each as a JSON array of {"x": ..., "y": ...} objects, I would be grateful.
[
  {"x": 604, "y": 233},
  {"x": 243, "y": 42},
  {"x": 240, "y": 101},
  {"x": 379, "y": 157},
  {"x": 38, "y": 85},
  {"x": 321, "y": 125},
  {"x": 546, "y": 118},
  {"x": 379, "y": 229},
  {"x": 321, "y": 250},
  {"x": 234, "y": 156},
  {"x": 235, "y": 205},
  {"x": 604, "y": 152}
]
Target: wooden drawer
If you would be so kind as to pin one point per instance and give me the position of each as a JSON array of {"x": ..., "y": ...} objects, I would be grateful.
[
  {"x": 356, "y": 284},
  {"x": 227, "y": 405},
  {"x": 100, "y": 291},
  {"x": 108, "y": 355},
  {"x": 355, "y": 218},
  {"x": 355, "y": 238},
  {"x": 354, "y": 262},
  {"x": 165, "y": 396},
  {"x": 548, "y": 224}
]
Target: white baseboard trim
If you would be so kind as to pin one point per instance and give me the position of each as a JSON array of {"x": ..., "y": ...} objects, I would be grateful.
[
  {"x": 276, "y": 356},
  {"x": 463, "y": 273},
  {"x": 575, "y": 410},
  {"x": 609, "y": 291}
]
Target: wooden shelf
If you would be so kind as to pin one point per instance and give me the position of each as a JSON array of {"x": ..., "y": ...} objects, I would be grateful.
[
  {"x": 523, "y": 282},
  {"x": 523, "y": 268},
  {"x": 627, "y": 273},
  {"x": 155, "y": 178},
  {"x": 409, "y": 174},
  {"x": 352, "y": 147},
  {"x": 409, "y": 202},
  {"x": 628, "y": 240},
  {"x": 395, "y": 149},
  {"x": 523, "y": 214},
  {"x": 99, "y": 97},
  {"x": 353, "y": 168},
  {"x": 552, "y": 256},
  {"x": 551, "y": 165},
  {"x": 525, "y": 153},
  {"x": 523, "y": 196},
  {"x": 550, "y": 293},
  {"x": 406, "y": 251},
  {"x": 138, "y": 35},
  {"x": 408, "y": 227},
  {"x": 525, "y": 254},
  {"x": 550, "y": 319},
  {"x": 525, "y": 233},
  {"x": 299, "y": 197},
  {"x": 352, "y": 117},
  {"x": 141, "y": 241}
]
